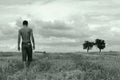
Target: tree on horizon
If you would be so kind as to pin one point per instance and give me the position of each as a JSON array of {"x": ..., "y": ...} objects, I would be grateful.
[
  {"x": 88, "y": 45},
  {"x": 100, "y": 44}
]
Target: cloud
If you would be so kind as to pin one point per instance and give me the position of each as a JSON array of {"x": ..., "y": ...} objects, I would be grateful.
[
  {"x": 61, "y": 29},
  {"x": 23, "y": 2},
  {"x": 8, "y": 32},
  {"x": 61, "y": 24}
]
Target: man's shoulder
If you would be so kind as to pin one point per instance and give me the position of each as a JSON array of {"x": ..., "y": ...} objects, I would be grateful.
[
  {"x": 24, "y": 29},
  {"x": 20, "y": 30},
  {"x": 30, "y": 29}
]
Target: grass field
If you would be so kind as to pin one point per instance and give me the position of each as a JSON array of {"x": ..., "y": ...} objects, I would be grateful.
[{"x": 62, "y": 66}]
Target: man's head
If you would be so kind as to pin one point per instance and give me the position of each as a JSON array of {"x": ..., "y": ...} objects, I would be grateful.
[{"x": 25, "y": 23}]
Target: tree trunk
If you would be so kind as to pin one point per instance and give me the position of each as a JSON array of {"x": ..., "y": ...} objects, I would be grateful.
[
  {"x": 87, "y": 50},
  {"x": 100, "y": 51}
]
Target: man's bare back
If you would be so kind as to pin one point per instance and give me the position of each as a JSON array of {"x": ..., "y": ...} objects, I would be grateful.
[{"x": 26, "y": 34}]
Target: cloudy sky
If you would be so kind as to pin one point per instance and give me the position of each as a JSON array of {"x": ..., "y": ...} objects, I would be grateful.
[{"x": 61, "y": 25}]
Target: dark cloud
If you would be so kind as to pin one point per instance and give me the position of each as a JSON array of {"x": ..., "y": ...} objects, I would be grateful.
[
  {"x": 60, "y": 29},
  {"x": 66, "y": 34},
  {"x": 56, "y": 25}
]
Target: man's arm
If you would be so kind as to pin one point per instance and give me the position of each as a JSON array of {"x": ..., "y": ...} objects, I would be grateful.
[
  {"x": 19, "y": 39},
  {"x": 32, "y": 38}
]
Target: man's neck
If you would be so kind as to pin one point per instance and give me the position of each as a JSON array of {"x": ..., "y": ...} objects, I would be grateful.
[{"x": 25, "y": 26}]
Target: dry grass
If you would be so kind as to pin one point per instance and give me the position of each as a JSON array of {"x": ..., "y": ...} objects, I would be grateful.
[{"x": 59, "y": 67}]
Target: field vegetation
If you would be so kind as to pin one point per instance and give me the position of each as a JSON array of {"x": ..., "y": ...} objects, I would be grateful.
[{"x": 62, "y": 66}]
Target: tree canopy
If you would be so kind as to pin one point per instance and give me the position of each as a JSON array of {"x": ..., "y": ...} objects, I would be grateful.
[
  {"x": 100, "y": 44},
  {"x": 88, "y": 45}
]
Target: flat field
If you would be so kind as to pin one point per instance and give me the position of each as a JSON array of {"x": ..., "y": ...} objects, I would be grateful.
[{"x": 62, "y": 66}]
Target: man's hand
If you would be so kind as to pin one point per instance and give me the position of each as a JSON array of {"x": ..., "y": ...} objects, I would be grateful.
[
  {"x": 18, "y": 48},
  {"x": 33, "y": 47}
]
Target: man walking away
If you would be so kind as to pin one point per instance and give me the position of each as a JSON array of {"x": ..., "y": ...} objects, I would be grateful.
[{"x": 26, "y": 34}]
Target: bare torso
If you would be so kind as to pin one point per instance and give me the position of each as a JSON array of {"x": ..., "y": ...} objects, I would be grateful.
[{"x": 25, "y": 33}]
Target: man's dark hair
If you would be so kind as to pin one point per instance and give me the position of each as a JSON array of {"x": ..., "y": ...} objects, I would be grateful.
[{"x": 25, "y": 22}]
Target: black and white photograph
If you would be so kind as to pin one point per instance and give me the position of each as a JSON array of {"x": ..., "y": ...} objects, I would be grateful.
[{"x": 59, "y": 39}]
